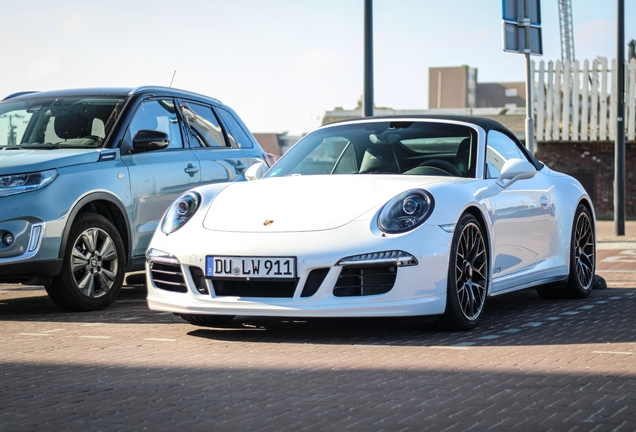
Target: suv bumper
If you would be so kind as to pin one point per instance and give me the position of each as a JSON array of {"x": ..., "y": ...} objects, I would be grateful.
[{"x": 39, "y": 272}]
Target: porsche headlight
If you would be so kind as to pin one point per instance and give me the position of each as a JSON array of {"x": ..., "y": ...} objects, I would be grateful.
[
  {"x": 20, "y": 183},
  {"x": 180, "y": 212},
  {"x": 406, "y": 211}
]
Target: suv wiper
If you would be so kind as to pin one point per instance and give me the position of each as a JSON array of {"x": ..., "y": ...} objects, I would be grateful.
[{"x": 15, "y": 148}]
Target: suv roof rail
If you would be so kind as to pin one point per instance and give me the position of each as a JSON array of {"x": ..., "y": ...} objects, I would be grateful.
[
  {"x": 13, "y": 95},
  {"x": 150, "y": 88}
]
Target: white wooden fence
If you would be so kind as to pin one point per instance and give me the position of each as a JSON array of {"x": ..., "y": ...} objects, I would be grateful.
[{"x": 579, "y": 104}]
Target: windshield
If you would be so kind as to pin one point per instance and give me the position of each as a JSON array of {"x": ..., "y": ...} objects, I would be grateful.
[
  {"x": 384, "y": 147},
  {"x": 63, "y": 122}
]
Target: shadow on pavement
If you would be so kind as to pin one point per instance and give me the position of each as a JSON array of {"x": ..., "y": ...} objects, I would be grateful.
[{"x": 521, "y": 318}]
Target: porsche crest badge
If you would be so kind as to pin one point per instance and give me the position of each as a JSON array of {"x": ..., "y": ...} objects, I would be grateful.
[{"x": 268, "y": 222}]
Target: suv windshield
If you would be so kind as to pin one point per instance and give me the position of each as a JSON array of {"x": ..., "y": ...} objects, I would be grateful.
[{"x": 64, "y": 122}]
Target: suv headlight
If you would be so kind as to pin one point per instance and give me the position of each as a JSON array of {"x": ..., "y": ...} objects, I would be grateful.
[
  {"x": 406, "y": 211},
  {"x": 19, "y": 183},
  {"x": 180, "y": 212}
]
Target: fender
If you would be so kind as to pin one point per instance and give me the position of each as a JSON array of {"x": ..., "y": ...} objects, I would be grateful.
[{"x": 90, "y": 198}]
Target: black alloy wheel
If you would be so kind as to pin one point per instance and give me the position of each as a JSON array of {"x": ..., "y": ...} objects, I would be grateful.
[
  {"x": 582, "y": 255},
  {"x": 467, "y": 276},
  {"x": 582, "y": 259}
]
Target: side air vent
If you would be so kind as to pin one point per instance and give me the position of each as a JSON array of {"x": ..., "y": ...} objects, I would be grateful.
[
  {"x": 313, "y": 281},
  {"x": 199, "y": 280},
  {"x": 168, "y": 277}
]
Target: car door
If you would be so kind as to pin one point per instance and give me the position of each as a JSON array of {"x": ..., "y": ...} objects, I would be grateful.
[
  {"x": 213, "y": 144},
  {"x": 157, "y": 177},
  {"x": 524, "y": 228}
]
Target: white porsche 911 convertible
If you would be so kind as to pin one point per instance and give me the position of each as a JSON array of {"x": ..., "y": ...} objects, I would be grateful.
[{"x": 383, "y": 217}]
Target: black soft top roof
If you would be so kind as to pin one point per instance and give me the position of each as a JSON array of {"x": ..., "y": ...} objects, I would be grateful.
[{"x": 485, "y": 123}]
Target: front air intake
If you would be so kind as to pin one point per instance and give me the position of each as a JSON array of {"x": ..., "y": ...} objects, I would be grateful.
[
  {"x": 365, "y": 281},
  {"x": 168, "y": 277}
]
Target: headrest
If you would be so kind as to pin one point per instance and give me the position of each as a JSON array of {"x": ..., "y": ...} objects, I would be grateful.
[
  {"x": 379, "y": 158},
  {"x": 71, "y": 125},
  {"x": 462, "y": 159}
]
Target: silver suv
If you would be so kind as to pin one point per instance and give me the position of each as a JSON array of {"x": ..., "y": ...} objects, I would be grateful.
[{"x": 85, "y": 176}]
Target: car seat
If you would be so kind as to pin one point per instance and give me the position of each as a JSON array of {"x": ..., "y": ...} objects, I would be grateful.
[
  {"x": 71, "y": 125},
  {"x": 381, "y": 159}
]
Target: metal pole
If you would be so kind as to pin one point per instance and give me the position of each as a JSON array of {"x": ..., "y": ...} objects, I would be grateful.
[
  {"x": 529, "y": 121},
  {"x": 368, "y": 58},
  {"x": 619, "y": 145}
]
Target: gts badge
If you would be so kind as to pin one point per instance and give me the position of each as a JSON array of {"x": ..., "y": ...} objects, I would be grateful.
[{"x": 496, "y": 270}]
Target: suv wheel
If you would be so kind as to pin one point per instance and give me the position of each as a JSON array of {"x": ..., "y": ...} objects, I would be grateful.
[{"x": 94, "y": 264}]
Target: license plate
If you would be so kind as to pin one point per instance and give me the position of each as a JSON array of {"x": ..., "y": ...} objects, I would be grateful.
[{"x": 250, "y": 267}]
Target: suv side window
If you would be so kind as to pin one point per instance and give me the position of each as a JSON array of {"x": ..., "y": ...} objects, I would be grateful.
[
  {"x": 159, "y": 115},
  {"x": 235, "y": 133},
  {"x": 205, "y": 129},
  {"x": 499, "y": 149}
]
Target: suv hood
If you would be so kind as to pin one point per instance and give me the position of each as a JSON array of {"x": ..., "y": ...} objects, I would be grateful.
[
  {"x": 307, "y": 203},
  {"x": 24, "y": 161}
]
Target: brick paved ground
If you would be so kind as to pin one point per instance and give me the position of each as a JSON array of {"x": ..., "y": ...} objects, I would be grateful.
[{"x": 532, "y": 364}]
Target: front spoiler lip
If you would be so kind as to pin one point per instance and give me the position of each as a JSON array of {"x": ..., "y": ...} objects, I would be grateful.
[{"x": 430, "y": 305}]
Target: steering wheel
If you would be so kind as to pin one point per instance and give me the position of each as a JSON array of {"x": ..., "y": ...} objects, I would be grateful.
[
  {"x": 442, "y": 165},
  {"x": 96, "y": 138}
]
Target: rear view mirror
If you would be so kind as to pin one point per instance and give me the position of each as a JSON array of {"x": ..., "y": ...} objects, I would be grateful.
[
  {"x": 255, "y": 171},
  {"x": 147, "y": 140},
  {"x": 514, "y": 170}
]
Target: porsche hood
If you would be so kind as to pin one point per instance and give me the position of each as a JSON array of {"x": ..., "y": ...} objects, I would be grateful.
[{"x": 304, "y": 203}]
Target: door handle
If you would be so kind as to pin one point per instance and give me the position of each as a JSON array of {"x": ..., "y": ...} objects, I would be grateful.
[
  {"x": 191, "y": 169},
  {"x": 544, "y": 201}
]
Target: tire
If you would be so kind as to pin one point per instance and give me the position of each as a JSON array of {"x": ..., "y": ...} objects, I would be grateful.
[
  {"x": 582, "y": 255},
  {"x": 468, "y": 269},
  {"x": 582, "y": 258},
  {"x": 206, "y": 320},
  {"x": 94, "y": 265}
]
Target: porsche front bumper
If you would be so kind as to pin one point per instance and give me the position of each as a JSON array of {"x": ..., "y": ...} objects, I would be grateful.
[{"x": 350, "y": 271}]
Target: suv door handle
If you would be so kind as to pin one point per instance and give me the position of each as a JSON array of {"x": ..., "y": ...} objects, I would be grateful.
[
  {"x": 191, "y": 169},
  {"x": 240, "y": 166}
]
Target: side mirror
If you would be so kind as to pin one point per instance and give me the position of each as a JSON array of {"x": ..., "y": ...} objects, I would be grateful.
[
  {"x": 514, "y": 170},
  {"x": 147, "y": 140},
  {"x": 255, "y": 171}
]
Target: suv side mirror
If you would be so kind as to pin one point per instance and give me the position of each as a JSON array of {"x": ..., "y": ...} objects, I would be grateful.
[
  {"x": 147, "y": 140},
  {"x": 514, "y": 170},
  {"x": 255, "y": 171}
]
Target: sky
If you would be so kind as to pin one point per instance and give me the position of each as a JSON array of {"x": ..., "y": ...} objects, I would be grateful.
[{"x": 281, "y": 64}]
